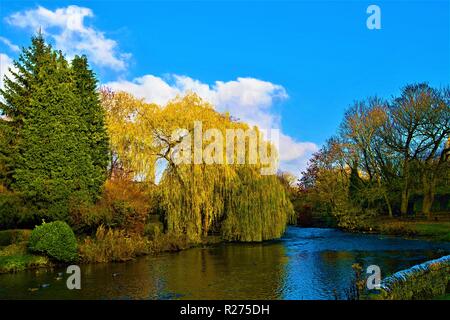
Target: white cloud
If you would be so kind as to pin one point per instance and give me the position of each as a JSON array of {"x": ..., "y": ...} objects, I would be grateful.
[
  {"x": 249, "y": 99},
  {"x": 291, "y": 150},
  {"x": 67, "y": 28},
  {"x": 5, "y": 63},
  {"x": 294, "y": 155},
  {"x": 151, "y": 88},
  {"x": 9, "y": 44}
]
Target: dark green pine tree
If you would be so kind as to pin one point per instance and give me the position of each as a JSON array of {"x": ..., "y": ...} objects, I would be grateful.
[
  {"x": 6, "y": 141},
  {"x": 93, "y": 116},
  {"x": 51, "y": 161},
  {"x": 17, "y": 90},
  {"x": 17, "y": 94}
]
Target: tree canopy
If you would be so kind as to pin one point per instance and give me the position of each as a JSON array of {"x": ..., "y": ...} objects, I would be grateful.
[
  {"x": 234, "y": 200},
  {"x": 388, "y": 157},
  {"x": 57, "y": 140}
]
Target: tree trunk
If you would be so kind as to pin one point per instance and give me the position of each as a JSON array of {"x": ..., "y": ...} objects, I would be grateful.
[
  {"x": 388, "y": 204},
  {"x": 405, "y": 190},
  {"x": 386, "y": 199},
  {"x": 405, "y": 200},
  {"x": 428, "y": 195}
]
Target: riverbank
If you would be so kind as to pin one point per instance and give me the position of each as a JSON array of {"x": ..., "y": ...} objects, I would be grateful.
[
  {"x": 112, "y": 247},
  {"x": 14, "y": 255},
  {"x": 417, "y": 228},
  {"x": 428, "y": 280},
  {"x": 307, "y": 263}
]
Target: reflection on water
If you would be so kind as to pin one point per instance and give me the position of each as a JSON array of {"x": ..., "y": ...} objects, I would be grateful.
[{"x": 308, "y": 263}]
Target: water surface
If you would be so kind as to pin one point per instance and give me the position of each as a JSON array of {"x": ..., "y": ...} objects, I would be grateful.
[{"x": 307, "y": 263}]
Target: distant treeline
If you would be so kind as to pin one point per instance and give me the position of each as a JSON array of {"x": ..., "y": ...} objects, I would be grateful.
[{"x": 387, "y": 158}]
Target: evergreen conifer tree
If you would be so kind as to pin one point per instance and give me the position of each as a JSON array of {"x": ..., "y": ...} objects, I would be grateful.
[
  {"x": 93, "y": 116},
  {"x": 52, "y": 117},
  {"x": 16, "y": 101}
]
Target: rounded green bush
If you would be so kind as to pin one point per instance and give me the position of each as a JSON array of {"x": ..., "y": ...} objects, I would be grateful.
[{"x": 55, "y": 239}]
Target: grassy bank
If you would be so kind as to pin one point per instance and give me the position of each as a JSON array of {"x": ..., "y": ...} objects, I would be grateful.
[
  {"x": 15, "y": 257},
  {"x": 436, "y": 230},
  {"x": 116, "y": 246},
  {"x": 106, "y": 245}
]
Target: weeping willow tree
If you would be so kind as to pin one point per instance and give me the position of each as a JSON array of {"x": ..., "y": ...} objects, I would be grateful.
[
  {"x": 237, "y": 202},
  {"x": 197, "y": 198},
  {"x": 131, "y": 147}
]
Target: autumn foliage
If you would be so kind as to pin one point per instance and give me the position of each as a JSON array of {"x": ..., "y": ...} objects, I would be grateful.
[
  {"x": 233, "y": 200},
  {"x": 388, "y": 158}
]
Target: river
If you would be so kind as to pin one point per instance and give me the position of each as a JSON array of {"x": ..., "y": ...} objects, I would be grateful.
[{"x": 307, "y": 263}]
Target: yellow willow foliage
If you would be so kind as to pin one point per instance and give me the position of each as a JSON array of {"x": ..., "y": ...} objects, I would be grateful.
[
  {"x": 131, "y": 145},
  {"x": 245, "y": 205},
  {"x": 233, "y": 199}
]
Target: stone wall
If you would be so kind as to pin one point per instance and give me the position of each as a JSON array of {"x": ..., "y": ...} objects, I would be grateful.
[{"x": 423, "y": 281}]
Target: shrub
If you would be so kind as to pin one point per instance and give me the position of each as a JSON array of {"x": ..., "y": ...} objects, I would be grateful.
[
  {"x": 397, "y": 228},
  {"x": 304, "y": 215},
  {"x": 113, "y": 245},
  {"x": 124, "y": 215},
  {"x": 86, "y": 218},
  {"x": 56, "y": 239},
  {"x": 153, "y": 229},
  {"x": 130, "y": 203},
  {"x": 123, "y": 205},
  {"x": 8, "y": 237},
  {"x": 169, "y": 242},
  {"x": 15, "y": 212},
  {"x": 118, "y": 214},
  {"x": 116, "y": 245}
]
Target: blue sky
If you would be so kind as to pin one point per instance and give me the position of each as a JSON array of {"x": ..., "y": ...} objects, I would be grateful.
[{"x": 294, "y": 65}]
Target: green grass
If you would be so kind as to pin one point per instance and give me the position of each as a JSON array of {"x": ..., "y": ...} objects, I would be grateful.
[
  {"x": 416, "y": 228},
  {"x": 443, "y": 297},
  {"x": 436, "y": 230},
  {"x": 14, "y": 258}
]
